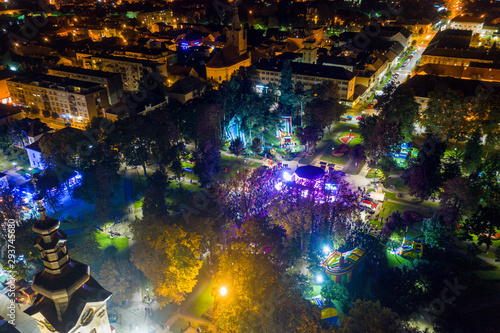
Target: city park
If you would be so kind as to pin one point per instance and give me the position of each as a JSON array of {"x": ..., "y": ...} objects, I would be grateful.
[
  {"x": 315, "y": 204},
  {"x": 294, "y": 225}
]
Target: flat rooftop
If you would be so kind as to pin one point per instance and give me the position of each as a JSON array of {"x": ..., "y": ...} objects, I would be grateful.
[
  {"x": 44, "y": 80},
  {"x": 83, "y": 71}
]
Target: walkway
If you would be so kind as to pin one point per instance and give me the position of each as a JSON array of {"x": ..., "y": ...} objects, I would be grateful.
[
  {"x": 203, "y": 284},
  {"x": 129, "y": 194},
  {"x": 325, "y": 149},
  {"x": 15, "y": 178}
]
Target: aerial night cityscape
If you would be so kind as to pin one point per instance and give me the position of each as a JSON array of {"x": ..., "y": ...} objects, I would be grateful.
[{"x": 249, "y": 166}]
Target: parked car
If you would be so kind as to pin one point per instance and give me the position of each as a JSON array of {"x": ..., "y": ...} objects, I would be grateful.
[
  {"x": 359, "y": 118},
  {"x": 410, "y": 57},
  {"x": 370, "y": 106},
  {"x": 396, "y": 74}
]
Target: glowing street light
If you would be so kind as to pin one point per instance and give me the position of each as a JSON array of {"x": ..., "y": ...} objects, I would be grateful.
[
  {"x": 287, "y": 176},
  {"x": 223, "y": 291},
  {"x": 319, "y": 279},
  {"x": 326, "y": 249}
]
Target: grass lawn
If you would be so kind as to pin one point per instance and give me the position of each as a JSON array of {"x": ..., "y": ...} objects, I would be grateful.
[
  {"x": 343, "y": 129},
  {"x": 104, "y": 240},
  {"x": 353, "y": 142},
  {"x": 413, "y": 201},
  {"x": 390, "y": 207},
  {"x": 72, "y": 226},
  {"x": 395, "y": 260},
  {"x": 327, "y": 156},
  {"x": 397, "y": 183},
  {"x": 202, "y": 303},
  {"x": 236, "y": 164},
  {"x": 6, "y": 162},
  {"x": 271, "y": 138}
]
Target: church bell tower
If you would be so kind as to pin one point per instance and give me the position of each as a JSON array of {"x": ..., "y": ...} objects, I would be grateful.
[
  {"x": 69, "y": 299},
  {"x": 237, "y": 36}
]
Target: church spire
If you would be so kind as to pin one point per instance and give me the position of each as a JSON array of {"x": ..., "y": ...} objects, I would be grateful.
[{"x": 235, "y": 23}]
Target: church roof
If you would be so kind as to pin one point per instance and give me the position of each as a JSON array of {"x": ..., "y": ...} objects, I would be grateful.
[
  {"x": 226, "y": 57},
  {"x": 186, "y": 85},
  {"x": 91, "y": 291}
]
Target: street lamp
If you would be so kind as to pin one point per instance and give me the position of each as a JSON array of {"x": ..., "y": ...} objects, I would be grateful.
[
  {"x": 15, "y": 165},
  {"x": 223, "y": 291}
]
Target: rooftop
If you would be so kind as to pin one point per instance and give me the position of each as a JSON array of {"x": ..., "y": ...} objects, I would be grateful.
[
  {"x": 467, "y": 19},
  {"x": 79, "y": 70},
  {"x": 186, "y": 85},
  {"x": 451, "y": 39},
  {"x": 48, "y": 81},
  {"x": 8, "y": 111},
  {"x": 148, "y": 63},
  {"x": 423, "y": 85},
  {"x": 226, "y": 57},
  {"x": 298, "y": 68}
]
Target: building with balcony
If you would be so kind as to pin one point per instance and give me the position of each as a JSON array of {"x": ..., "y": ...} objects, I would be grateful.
[
  {"x": 474, "y": 24},
  {"x": 72, "y": 101},
  {"x": 147, "y": 19},
  {"x": 309, "y": 74},
  {"x": 111, "y": 81},
  {"x": 133, "y": 71}
]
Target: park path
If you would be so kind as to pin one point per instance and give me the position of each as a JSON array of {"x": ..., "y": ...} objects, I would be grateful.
[
  {"x": 325, "y": 149},
  {"x": 15, "y": 178},
  {"x": 203, "y": 283},
  {"x": 129, "y": 194}
]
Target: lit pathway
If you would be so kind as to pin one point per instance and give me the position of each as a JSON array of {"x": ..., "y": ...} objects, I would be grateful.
[
  {"x": 198, "y": 289},
  {"x": 325, "y": 149}
]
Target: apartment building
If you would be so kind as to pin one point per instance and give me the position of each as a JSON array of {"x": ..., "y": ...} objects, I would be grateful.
[
  {"x": 423, "y": 85},
  {"x": 111, "y": 81},
  {"x": 147, "y": 19},
  {"x": 452, "y": 47},
  {"x": 309, "y": 74},
  {"x": 74, "y": 101},
  {"x": 132, "y": 71},
  {"x": 474, "y": 71},
  {"x": 474, "y": 24}
]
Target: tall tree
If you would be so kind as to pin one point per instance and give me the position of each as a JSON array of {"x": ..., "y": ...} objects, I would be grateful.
[
  {"x": 398, "y": 105},
  {"x": 483, "y": 223},
  {"x": 459, "y": 197},
  {"x": 168, "y": 255},
  {"x": 448, "y": 113},
  {"x": 249, "y": 279},
  {"x": 425, "y": 177},
  {"x": 11, "y": 203},
  {"x": 381, "y": 137},
  {"x": 309, "y": 136},
  {"x": 236, "y": 147},
  {"x": 472, "y": 153},
  {"x": 437, "y": 234},
  {"x": 256, "y": 146},
  {"x": 98, "y": 164},
  {"x": 367, "y": 316},
  {"x": 154, "y": 199},
  {"x": 287, "y": 99},
  {"x": 324, "y": 107},
  {"x": 52, "y": 189},
  {"x": 207, "y": 165},
  {"x": 121, "y": 278}
]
